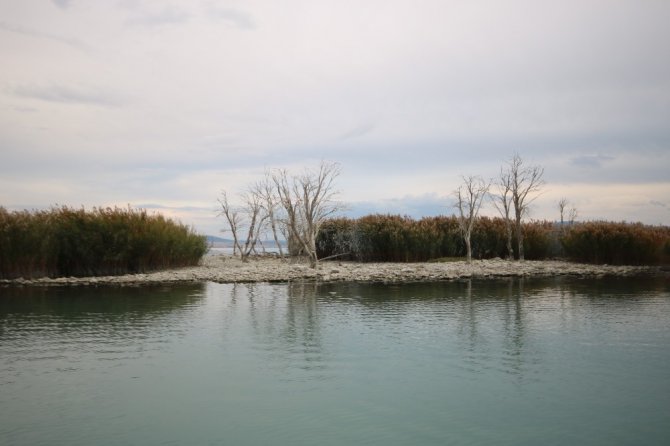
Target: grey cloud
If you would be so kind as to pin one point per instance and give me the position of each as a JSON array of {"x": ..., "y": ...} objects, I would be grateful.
[
  {"x": 357, "y": 131},
  {"x": 68, "y": 95},
  {"x": 592, "y": 161},
  {"x": 658, "y": 203},
  {"x": 63, "y": 4},
  {"x": 235, "y": 17},
  {"x": 25, "y": 109},
  {"x": 167, "y": 16},
  {"x": 73, "y": 43}
]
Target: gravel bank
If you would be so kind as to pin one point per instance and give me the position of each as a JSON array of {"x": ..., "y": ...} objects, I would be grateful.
[{"x": 227, "y": 269}]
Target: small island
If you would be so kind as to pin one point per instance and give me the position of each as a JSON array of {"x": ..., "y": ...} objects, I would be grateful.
[{"x": 230, "y": 269}]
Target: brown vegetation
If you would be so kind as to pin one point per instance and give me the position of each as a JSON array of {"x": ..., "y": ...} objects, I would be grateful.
[{"x": 105, "y": 241}]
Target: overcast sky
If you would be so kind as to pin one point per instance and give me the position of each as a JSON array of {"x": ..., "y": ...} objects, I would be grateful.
[{"x": 161, "y": 104}]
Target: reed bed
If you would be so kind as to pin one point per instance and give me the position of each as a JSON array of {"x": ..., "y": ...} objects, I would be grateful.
[
  {"x": 63, "y": 241},
  {"x": 618, "y": 243},
  {"x": 394, "y": 238}
]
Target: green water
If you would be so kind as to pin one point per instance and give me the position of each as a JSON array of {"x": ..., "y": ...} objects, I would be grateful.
[{"x": 550, "y": 362}]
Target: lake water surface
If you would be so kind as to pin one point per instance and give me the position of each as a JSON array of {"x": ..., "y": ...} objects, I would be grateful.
[{"x": 550, "y": 362}]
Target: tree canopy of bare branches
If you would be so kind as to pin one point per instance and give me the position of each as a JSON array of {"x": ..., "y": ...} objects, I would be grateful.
[
  {"x": 563, "y": 208},
  {"x": 251, "y": 214},
  {"x": 308, "y": 199},
  {"x": 232, "y": 216},
  {"x": 526, "y": 182},
  {"x": 469, "y": 198},
  {"x": 294, "y": 205},
  {"x": 502, "y": 201},
  {"x": 265, "y": 191}
]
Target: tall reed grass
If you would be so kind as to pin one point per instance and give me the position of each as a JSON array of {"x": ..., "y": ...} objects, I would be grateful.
[
  {"x": 618, "y": 243},
  {"x": 63, "y": 241},
  {"x": 394, "y": 238}
]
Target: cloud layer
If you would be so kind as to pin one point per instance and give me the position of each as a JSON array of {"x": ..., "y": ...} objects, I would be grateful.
[{"x": 141, "y": 101}]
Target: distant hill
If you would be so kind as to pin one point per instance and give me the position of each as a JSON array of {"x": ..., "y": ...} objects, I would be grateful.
[
  {"x": 215, "y": 239},
  {"x": 220, "y": 242}
]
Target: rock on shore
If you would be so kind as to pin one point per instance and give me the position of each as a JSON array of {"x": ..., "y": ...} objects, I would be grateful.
[{"x": 227, "y": 269}]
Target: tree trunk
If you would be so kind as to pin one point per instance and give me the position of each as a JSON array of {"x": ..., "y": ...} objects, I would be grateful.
[
  {"x": 519, "y": 238},
  {"x": 468, "y": 247},
  {"x": 273, "y": 225},
  {"x": 510, "y": 250}
]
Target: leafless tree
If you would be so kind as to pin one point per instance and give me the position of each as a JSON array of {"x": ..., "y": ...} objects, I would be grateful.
[
  {"x": 265, "y": 189},
  {"x": 526, "y": 183},
  {"x": 308, "y": 200},
  {"x": 256, "y": 218},
  {"x": 251, "y": 215},
  {"x": 572, "y": 215},
  {"x": 562, "y": 204},
  {"x": 503, "y": 203},
  {"x": 469, "y": 198},
  {"x": 233, "y": 218}
]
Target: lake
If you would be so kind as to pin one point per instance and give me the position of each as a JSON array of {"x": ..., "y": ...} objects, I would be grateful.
[{"x": 500, "y": 362}]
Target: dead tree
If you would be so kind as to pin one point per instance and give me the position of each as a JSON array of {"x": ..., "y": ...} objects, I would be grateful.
[
  {"x": 308, "y": 200},
  {"x": 256, "y": 217},
  {"x": 503, "y": 203},
  {"x": 572, "y": 215},
  {"x": 250, "y": 215},
  {"x": 233, "y": 218},
  {"x": 562, "y": 204},
  {"x": 265, "y": 189},
  {"x": 526, "y": 182},
  {"x": 572, "y": 212},
  {"x": 469, "y": 198}
]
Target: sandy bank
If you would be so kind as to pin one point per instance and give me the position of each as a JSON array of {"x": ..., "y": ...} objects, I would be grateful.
[{"x": 227, "y": 269}]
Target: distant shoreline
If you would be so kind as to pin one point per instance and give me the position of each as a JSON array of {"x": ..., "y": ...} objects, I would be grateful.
[{"x": 229, "y": 269}]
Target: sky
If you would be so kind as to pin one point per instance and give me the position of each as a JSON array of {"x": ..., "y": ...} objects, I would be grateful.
[{"x": 163, "y": 104}]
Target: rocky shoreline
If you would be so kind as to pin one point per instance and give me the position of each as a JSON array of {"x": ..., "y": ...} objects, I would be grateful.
[{"x": 228, "y": 269}]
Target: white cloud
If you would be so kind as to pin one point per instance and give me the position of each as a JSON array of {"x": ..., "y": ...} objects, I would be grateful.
[{"x": 166, "y": 102}]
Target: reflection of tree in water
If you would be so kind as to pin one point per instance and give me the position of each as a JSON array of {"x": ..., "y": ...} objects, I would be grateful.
[
  {"x": 285, "y": 322},
  {"x": 498, "y": 325},
  {"x": 514, "y": 323},
  {"x": 303, "y": 327},
  {"x": 492, "y": 325}
]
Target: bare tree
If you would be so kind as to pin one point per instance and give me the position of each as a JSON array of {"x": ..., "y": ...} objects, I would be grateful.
[
  {"x": 503, "y": 203},
  {"x": 562, "y": 204},
  {"x": 469, "y": 198},
  {"x": 251, "y": 215},
  {"x": 308, "y": 200},
  {"x": 233, "y": 218},
  {"x": 256, "y": 217},
  {"x": 265, "y": 189},
  {"x": 526, "y": 181},
  {"x": 572, "y": 215}
]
